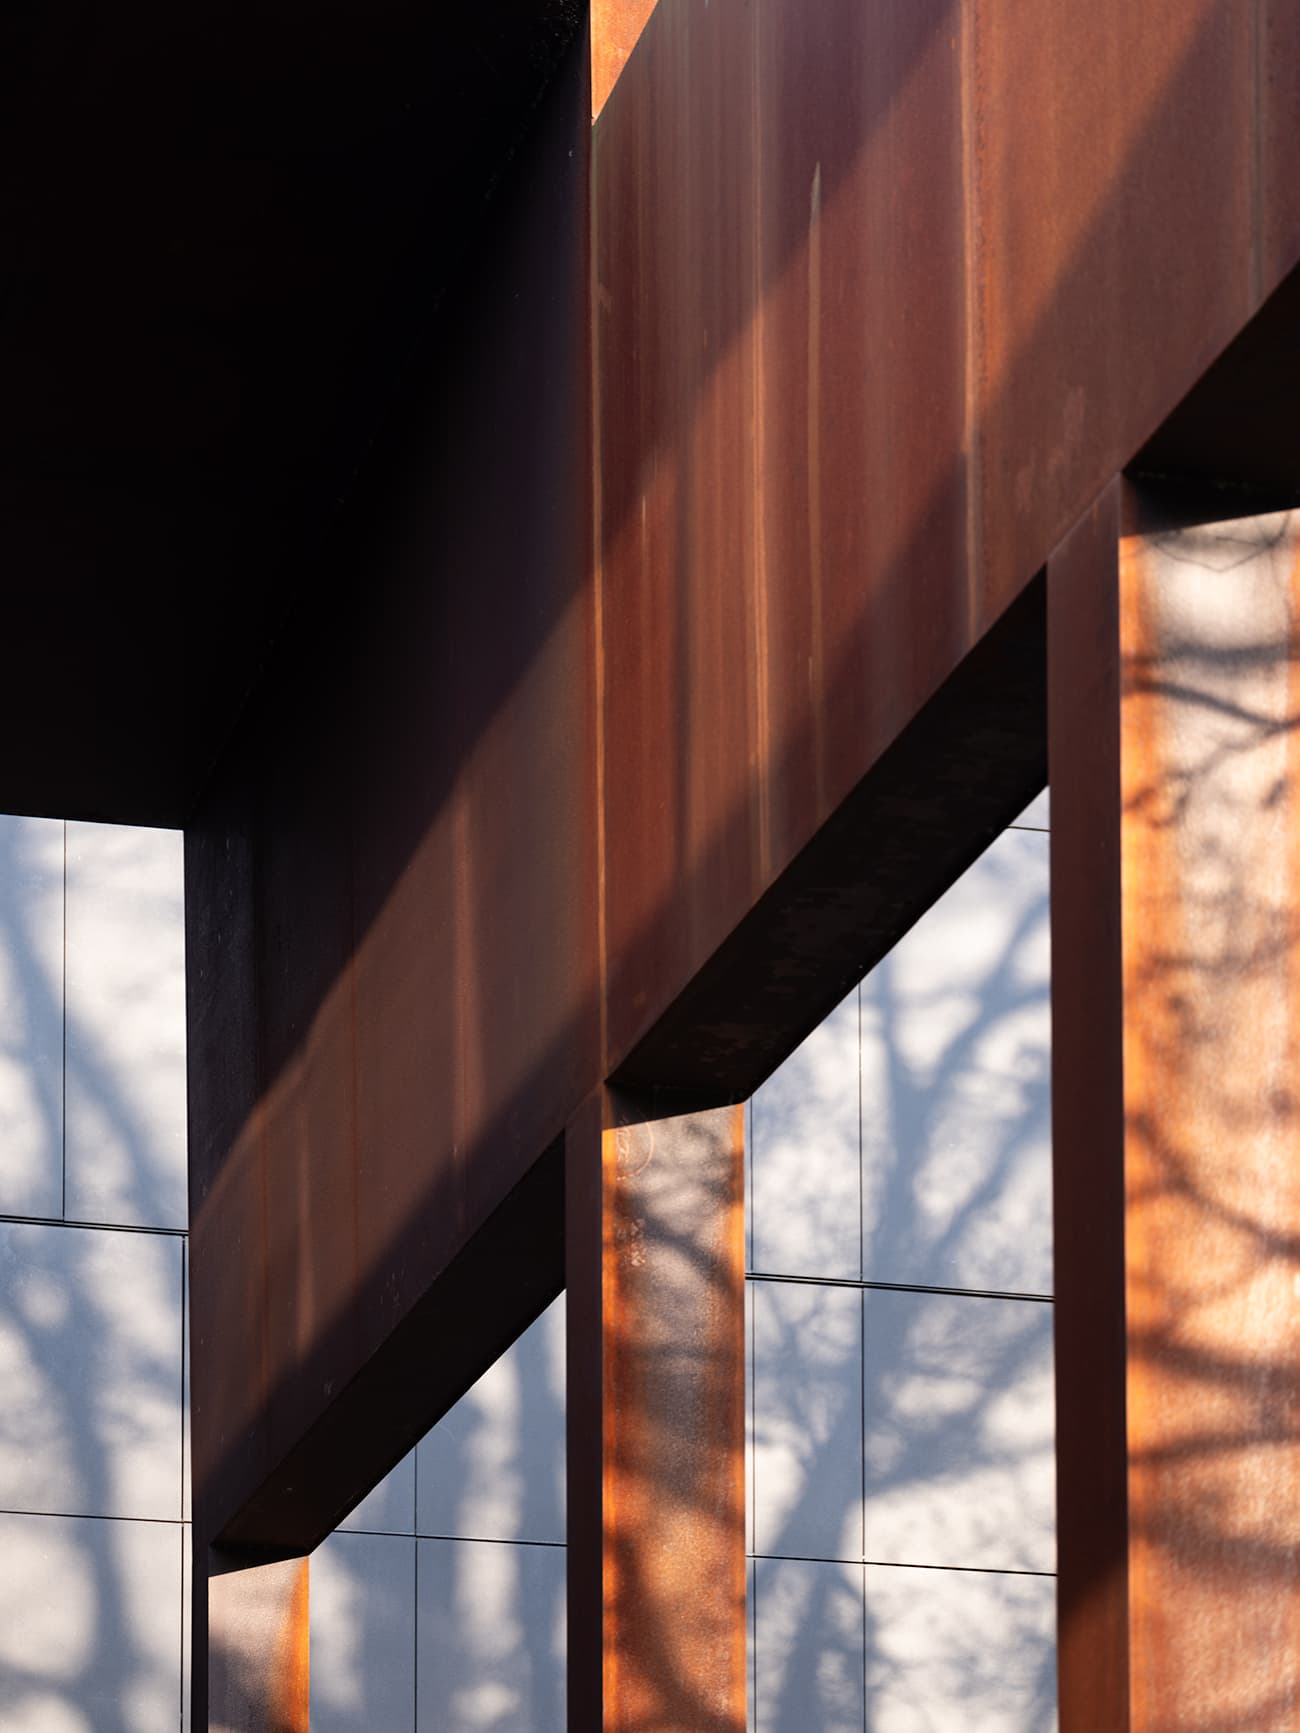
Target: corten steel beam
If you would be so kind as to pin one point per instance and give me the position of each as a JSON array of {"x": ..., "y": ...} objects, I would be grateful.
[
  {"x": 1174, "y": 644},
  {"x": 656, "y": 1417},
  {"x": 257, "y": 1653},
  {"x": 391, "y": 912},
  {"x": 604, "y": 742},
  {"x": 882, "y": 296}
]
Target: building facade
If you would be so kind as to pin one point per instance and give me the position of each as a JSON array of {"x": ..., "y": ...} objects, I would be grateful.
[{"x": 900, "y": 1526}]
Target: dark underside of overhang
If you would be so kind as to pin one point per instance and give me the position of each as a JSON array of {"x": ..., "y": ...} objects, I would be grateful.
[
  {"x": 225, "y": 235},
  {"x": 225, "y": 232}
]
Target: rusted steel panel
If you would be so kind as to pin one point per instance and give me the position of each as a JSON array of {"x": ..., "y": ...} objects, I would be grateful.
[
  {"x": 798, "y": 359},
  {"x": 1177, "y": 1068},
  {"x": 616, "y": 27},
  {"x": 258, "y": 1647},
  {"x": 1277, "y": 192},
  {"x": 1210, "y": 641},
  {"x": 860, "y": 573},
  {"x": 407, "y": 817},
  {"x": 1101, "y": 137},
  {"x": 673, "y": 211},
  {"x": 656, "y": 1417},
  {"x": 779, "y": 332},
  {"x": 882, "y": 298},
  {"x": 1084, "y": 685},
  {"x": 972, "y": 758}
]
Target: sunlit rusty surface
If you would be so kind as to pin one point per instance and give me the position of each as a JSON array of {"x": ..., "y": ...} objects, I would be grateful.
[
  {"x": 1176, "y": 1011},
  {"x": 616, "y": 27},
  {"x": 1210, "y": 633},
  {"x": 662, "y": 1245},
  {"x": 259, "y": 1648},
  {"x": 879, "y": 298},
  {"x": 882, "y": 297}
]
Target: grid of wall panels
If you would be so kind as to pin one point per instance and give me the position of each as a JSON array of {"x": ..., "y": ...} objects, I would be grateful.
[
  {"x": 93, "y": 1541},
  {"x": 901, "y": 1455},
  {"x": 441, "y": 1598},
  {"x": 899, "y": 1348},
  {"x": 900, "y": 1447}
]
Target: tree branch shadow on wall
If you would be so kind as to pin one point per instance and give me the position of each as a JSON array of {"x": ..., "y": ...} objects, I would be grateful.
[
  {"x": 91, "y": 1431},
  {"x": 930, "y": 1425}
]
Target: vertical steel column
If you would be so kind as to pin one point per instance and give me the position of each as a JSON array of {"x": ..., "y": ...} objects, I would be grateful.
[
  {"x": 655, "y": 1267},
  {"x": 258, "y": 1646},
  {"x": 1173, "y": 650}
]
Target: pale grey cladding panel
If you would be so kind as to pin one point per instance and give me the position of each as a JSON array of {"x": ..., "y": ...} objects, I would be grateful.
[
  {"x": 1037, "y": 815},
  {"x": 491, "y": 1637},
  {"x": 808, "y": 1668},
  {"x": 125, "y": 1026},
  {"x": 956, "y": 1111},
  {"x": 959, "y": 1447},
  {"x": 493, "y": 1468},
  {"x": 363, "y": 1651},
  {"x": 31, "y": 1016},
  {"x": 90, "y": 1625},
  {"x": 90, "y": 1367},
  {"x": 973, "y": 1651},
  {"x": 807, "y": 1429},
  {"x": 390, "y": 1506},
  {"x": 805, "y": 1136}
]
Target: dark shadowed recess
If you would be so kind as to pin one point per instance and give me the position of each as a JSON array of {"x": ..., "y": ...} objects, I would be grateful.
[
  {"x": 223, "y": 230},
  {"x": 1234, "y": 440}
]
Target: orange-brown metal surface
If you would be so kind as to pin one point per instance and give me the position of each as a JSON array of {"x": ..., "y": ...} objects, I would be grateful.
[
  {"x": 1101, "y": 139},
  {"x": 882, "y": 298},
  {"x": 392, "y": 923},
  {"x": 878, "y": 299},
  {"x": 656, "y": 1282},
  {"x": 1084, "y": 684},
  {"x": 1176, "y": 982},
  {"x": 778, "y": 520},
  {"x": 1210, "y": 644},
  {"x": 258, "y": 1647}
]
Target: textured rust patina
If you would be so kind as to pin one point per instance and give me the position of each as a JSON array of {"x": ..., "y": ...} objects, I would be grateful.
[
  {"x": 620, "y": 618},
  {"x": 656, "y": 1276},
  {"x": 1175, "y": 639},
  {"x": 258, "y": 1659}
]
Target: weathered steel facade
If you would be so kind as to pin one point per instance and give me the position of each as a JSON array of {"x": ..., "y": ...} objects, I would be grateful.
[{"x": 634, "y": 617}]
